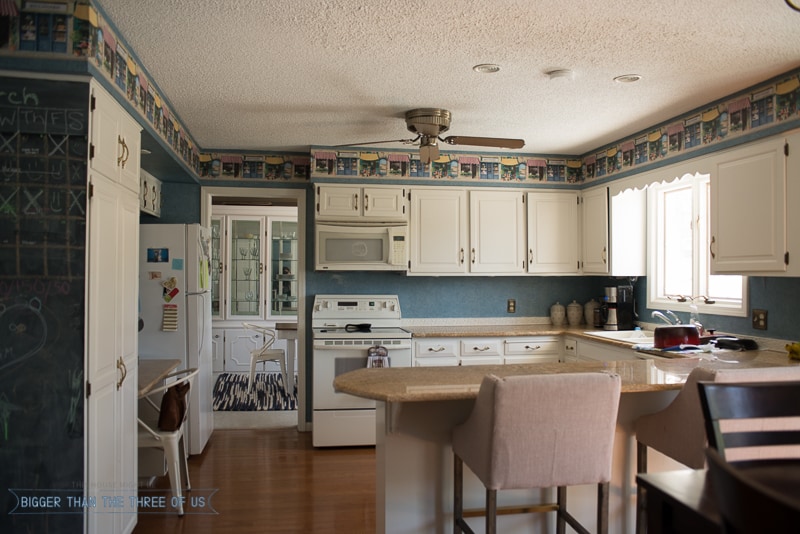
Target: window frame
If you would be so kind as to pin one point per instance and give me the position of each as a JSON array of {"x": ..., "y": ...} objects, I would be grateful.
[{"x": 700, "y": 186}]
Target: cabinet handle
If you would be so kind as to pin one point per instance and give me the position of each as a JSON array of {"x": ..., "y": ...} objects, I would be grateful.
[
  {"x": 260, "y": 268},
  {"x": 124, "y": 370},
  {"x": 366, "y": 202},
  {"x": 604, "y": 255},
  {"x": 220, "y": 268},
  {"x": 481, "y": 349},
  {"x": 435, "y": 349},
  {"x": 530, "y": 256},
  {"x": 461, "y": 256},
  {"x": 355, "y": 201},
  {"x": 537, "y": 347},
  {"x": 473, "y": 255},
  {"x": 123, "y": 158},
  {"x": 711, "y": 248}
]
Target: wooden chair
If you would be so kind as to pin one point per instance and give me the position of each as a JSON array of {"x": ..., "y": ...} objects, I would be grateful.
[
  {"x": 752, "y": 420},
  {"x": 265, "y": 353},
  {"x": 539, "y": 431},
  {"x": 747, "y": 506},
  {"x": 172, "y": 442}
]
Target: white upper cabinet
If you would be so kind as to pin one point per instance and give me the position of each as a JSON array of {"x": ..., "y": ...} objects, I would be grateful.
[
  {"x": 553, "y": 232},
  {"x": 456, "y": 232},
  {"x": 497, "y": 232},
  {"x": 595, "y": 231},
  {"x": 748, "y": 209},
  {"x": 354, "y": 203},
  {"x": 438, "y": 231},
  {"x": 115, "y": 140}
]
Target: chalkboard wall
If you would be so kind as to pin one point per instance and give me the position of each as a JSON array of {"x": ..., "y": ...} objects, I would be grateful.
[{"x": 43, "y": 154}]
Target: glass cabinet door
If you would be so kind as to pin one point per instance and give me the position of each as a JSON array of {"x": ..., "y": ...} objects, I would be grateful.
[
  {"x": 245, "y": 267},
  {"x": 283, "y": 267},
  {"x": 217, "y": 255}
]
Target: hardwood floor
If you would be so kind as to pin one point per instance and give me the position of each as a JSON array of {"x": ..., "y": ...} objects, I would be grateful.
[{"x": 274, "y": 481}]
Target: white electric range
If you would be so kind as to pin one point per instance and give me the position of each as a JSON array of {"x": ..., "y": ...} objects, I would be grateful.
[{"x": 345, "y": 328}]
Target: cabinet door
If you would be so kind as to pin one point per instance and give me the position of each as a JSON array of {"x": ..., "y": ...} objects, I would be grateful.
[
  {"x": 115, "y": 139},
  {"x": 748, "y": 210},
  {"x": 553, "y": 232},
  {"x": 283, "y": 267},
  {"x": 218, "y": 250},
  {"x": 595, "y": 231},
  {"x": 238, "y": 345},
  {"x": 497, "y": 226},
  {"x": 381, "y": 203},
  {"x": 130, "y": 134},
  {"x": 217, "y": 350},
  {"x": 438, "y": 231},
  {"x": 338, "y": 202},
  {"x": 628, "y": 233},
  {"x": 245, "y": 277}
]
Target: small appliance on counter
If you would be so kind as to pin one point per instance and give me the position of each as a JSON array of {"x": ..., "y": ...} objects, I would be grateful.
[{"x": 617, "y": 308}]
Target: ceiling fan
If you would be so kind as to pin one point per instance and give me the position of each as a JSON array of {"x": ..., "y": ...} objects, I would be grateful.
[{"x": 429, "y": 123}]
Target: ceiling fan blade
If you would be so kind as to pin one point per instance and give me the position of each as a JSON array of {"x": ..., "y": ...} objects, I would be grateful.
[
  {"x": 404, "y": 141},
  {"x": 493, "y": 142}
]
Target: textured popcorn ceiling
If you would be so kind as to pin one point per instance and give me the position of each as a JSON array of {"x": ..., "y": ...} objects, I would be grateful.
[{"x": 284, "y": 75}]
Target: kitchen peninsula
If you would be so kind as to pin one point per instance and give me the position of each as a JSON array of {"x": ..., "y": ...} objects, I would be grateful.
[{"x": 418, "y": 407}]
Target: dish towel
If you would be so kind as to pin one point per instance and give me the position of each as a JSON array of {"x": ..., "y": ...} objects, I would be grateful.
[{"x": 378, "y": 356}]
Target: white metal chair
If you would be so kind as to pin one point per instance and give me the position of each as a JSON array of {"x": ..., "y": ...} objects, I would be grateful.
[
  {"x": 265, "y": 353},
  {"x": 539, "y": 431},
  {"x": 172, "y": 442}
]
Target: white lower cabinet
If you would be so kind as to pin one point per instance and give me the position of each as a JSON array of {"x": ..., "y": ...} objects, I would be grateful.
[
  {"x": 238, "y": 343},
  {"x": 430, "y": 352},
  {"x": 570, "y": 350},
  {"x": 217, "y": 350},
  {"x": 532, "y": 350},
  {"x": 604, "y": 352}
]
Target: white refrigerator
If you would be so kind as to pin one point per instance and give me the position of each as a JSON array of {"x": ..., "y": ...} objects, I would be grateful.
[{"x": 175, "y": 309}]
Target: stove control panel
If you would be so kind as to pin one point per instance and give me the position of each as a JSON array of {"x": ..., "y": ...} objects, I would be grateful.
[{"x": 360, "y": 306}]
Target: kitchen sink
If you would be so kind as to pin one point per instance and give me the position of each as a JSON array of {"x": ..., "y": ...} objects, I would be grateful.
[{"x": 634, "y": 337}]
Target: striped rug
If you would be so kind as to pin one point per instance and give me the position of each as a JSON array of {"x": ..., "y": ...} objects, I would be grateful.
[{"x": 231, "y": 393}]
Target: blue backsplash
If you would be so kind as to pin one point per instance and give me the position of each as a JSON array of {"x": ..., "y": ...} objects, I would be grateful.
[{"x": 456, "y": 297}]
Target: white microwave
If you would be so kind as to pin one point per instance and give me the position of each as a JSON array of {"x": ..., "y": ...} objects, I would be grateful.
[{"x": 361, "y": 247}]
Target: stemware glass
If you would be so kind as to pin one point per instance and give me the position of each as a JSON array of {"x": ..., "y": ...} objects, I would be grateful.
[
  {"x": 247, "y": 272},
  {"x": 243, "y": 252},
  {"x": 254, "y": 252},
  {"x": 249, "y": 296}
]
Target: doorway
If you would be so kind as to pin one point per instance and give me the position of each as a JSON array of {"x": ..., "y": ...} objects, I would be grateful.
[{"x": 258, "y": 196}]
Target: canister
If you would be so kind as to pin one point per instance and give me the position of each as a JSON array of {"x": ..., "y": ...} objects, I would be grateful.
[
  {"x": 557, "y": 314},
  {"x": 574, "y": 313},
  {"x": 588, "y": 311}
]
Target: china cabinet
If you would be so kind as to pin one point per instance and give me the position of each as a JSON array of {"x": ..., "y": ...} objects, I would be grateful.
[{"x": 255, "y": 256}]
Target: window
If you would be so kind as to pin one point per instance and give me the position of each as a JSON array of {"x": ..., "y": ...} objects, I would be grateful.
[{"x": 678, "y": 259}]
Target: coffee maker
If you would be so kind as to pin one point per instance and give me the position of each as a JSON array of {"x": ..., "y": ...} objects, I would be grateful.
[{"x": 617, "y": 308}]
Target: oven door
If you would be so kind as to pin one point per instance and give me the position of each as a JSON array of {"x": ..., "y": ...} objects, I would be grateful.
[{"x": 332, "y": 360}]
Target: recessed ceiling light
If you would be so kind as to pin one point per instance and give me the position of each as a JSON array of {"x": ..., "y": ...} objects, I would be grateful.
[
  {"x": 628, "y": 78},
  {"x": 486, "y": 68},
  {"x": 560, "y": 73},
  {"x": 794, "y": 4}
]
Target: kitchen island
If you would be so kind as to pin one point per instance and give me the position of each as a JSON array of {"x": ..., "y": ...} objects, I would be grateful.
[{"x": 418, "y": 407}]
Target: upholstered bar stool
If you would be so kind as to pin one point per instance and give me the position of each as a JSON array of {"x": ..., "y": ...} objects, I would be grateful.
[
  {"x": 539, "y": 431},
  {"x": 678, "y": 430}
]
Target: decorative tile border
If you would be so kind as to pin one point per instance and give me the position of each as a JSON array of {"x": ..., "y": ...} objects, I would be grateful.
[{"x": 92, "y": 38}]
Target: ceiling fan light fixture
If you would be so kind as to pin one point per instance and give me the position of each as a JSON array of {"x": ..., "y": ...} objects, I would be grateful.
[
  {"x": 628, "y": 78},
  {"x": 486, "y": 68}
]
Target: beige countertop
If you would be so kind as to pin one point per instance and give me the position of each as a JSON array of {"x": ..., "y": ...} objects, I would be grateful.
[
  {"x": 417, "y": 384},
  {"x": 544, "y": 329}
]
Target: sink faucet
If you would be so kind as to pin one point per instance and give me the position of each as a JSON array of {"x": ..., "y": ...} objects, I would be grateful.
[{"x": 671, "y": 320}]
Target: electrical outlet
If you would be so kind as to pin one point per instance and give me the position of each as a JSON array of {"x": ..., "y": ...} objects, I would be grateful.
[
  {"x": 759, "y": 319},
  {"x": 511, "y": 306}
]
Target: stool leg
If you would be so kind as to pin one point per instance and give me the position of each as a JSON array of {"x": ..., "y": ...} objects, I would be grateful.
[
  {"x": 602, "y": 507},
  {"x": 458, "y": 487},
  {"x": 491, "y": 511},
  {"x": 641, "y": 496},
  {"x": 561, "y": 501}
]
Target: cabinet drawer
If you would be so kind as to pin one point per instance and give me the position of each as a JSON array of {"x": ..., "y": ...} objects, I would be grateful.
[
  {"x": 436, "y": 348},
  {"x": 542, "y": 358},
  {"x": 532, "y": 346},
  {"x": 481, "y": 347}
]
